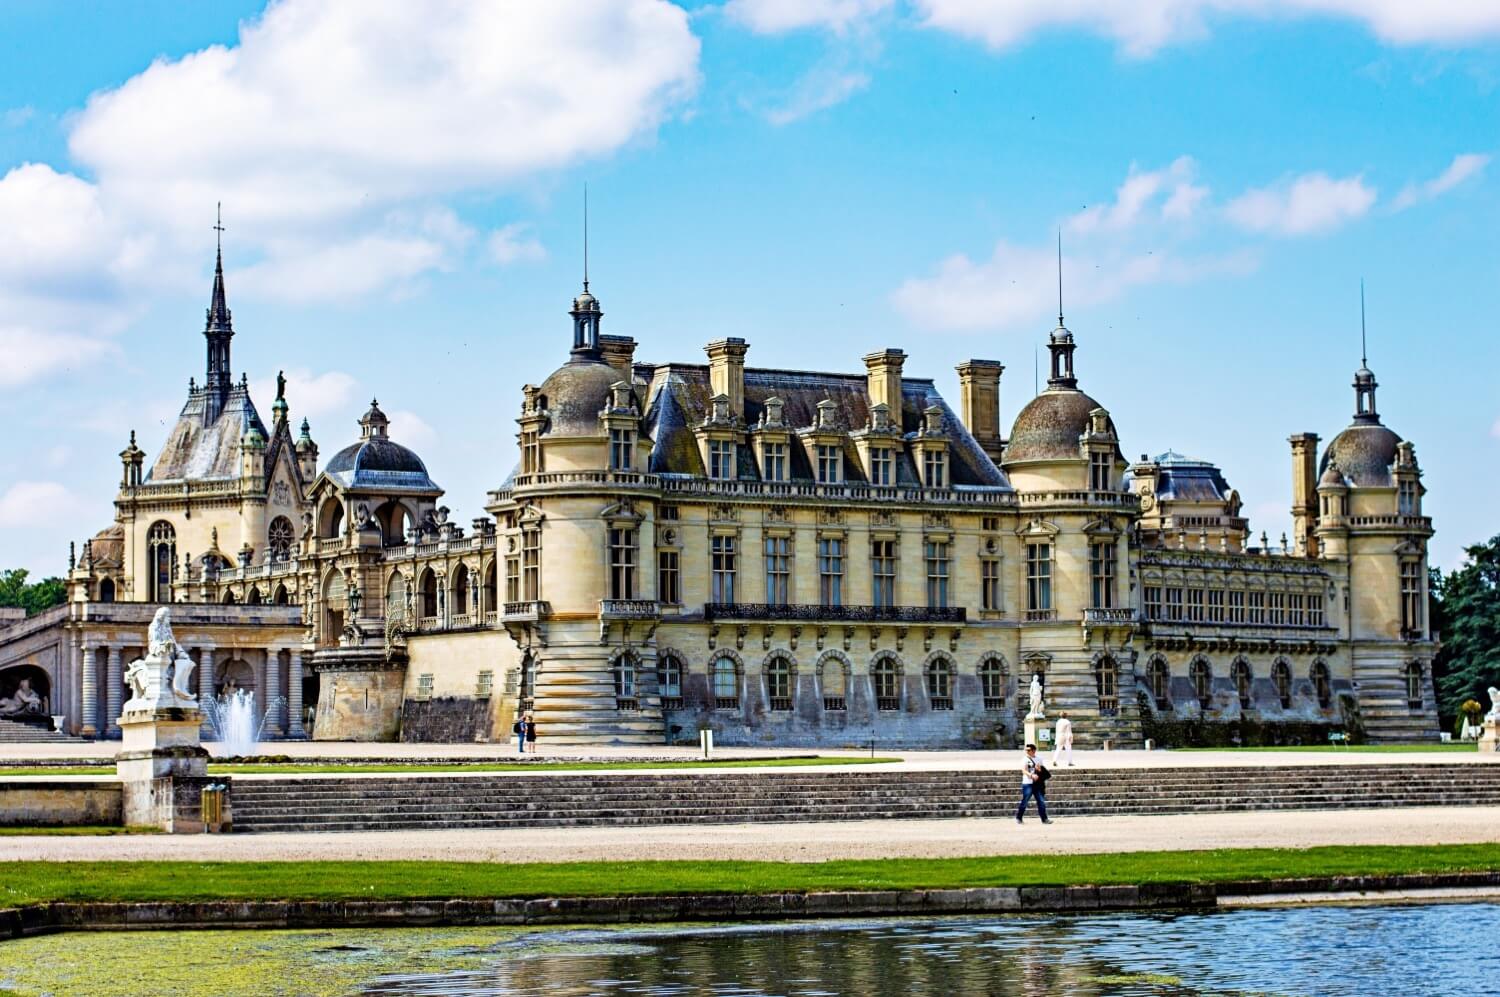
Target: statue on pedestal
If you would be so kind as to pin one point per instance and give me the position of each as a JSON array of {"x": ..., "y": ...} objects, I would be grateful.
[
  {"x": 1494, "y": 713},
  {"x": 159, "y": 680},
  {"x": 1036, "y": 697}
]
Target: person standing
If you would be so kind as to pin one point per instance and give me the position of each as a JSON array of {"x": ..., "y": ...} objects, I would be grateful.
[
  {"x": 1062, "y": 743},
  {"x": 1033, "y": 784},
  {"x": 530, "y": 733},
  {"x": 519, "y": 729}
]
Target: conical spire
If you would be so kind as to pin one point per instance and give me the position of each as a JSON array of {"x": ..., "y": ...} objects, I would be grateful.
[
  {"x": 218, "y": 306},
  {"x": 218, "y": 330}
]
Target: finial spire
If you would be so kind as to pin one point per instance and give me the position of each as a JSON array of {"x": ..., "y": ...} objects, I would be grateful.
[
  {"x": 1363, "y": 353},
  {"x": 1059, "y": 279},
  {"x": 585, "y": 237},
  {"x": 219, "y": 225}
]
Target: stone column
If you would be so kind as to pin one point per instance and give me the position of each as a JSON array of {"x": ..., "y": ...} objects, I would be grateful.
[
  {"x": 271, "y": 726},
  {"x": 205, "y": 674},
  {"x": 90, "y": 726},
  {"x": 114, "y": 681},
  {"x": 294, "y": 726}
]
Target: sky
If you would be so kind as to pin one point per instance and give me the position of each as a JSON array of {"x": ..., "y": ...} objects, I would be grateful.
[{"x": 402, "y": 190}]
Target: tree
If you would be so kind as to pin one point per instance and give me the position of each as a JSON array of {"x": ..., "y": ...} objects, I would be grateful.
[
  {"x": 1466, "y": 612},
  {"x": 33, "y": 597}
]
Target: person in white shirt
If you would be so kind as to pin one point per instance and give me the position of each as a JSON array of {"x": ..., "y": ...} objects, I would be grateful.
[
  {"x": 1033, "y": 785},
  {"x": 1062, "y": 743}
]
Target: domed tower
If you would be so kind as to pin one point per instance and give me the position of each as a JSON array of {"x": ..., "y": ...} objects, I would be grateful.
[
  {"x": 1370, "y": 519},
  {"x": 584, "y": 624},
  {"x": 1063, "y": 457}
]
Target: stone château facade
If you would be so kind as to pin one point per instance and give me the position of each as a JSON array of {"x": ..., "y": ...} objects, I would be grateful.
[{"x": 786, "y": 557}]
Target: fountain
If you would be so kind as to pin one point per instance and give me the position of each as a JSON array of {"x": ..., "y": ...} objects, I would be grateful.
[{"x": 236, "y": 724}]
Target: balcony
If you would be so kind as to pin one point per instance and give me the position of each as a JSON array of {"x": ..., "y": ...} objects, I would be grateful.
[
  {"x": 833, "y": 614},
  {"x": 524, "y": 612},
  {"x": 1096, "y": 616},
  {"x": 1040, "y": 615},
  {"x": 629, "y": 609}
]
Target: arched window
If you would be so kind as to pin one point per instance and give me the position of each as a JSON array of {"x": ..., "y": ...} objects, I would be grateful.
[
  {"x": 107, "y": 590},
  {"x": 669, "y": 680},
  {"x": 724, "y": 679},
  {"x": 886, "y": 675},
  {"x": 778, "y": 672},
  {"x": 331, "y": 519},
  {"x": 1107, "y": 683},
  {"x": 625, "y": 680},
  {"x": 395, "y": 596},
  {"x": 229, "y": 599},
  {"x": 429, "y": 589},
  {"x": 253, "y": 599},
  {"x": 460, "y": 603},
  {"x": 940, "y": 683},
  {"x": 994, "y": 679},
  {"x": 1244, "y": 682},
  {"x": 1322, "y": 685},
  {"x": 1414, "y": 685},
  {"x": 528, "y": 683},
  {"x": 833, "y": 679},
  {"x": 333, "y": 607},
  {"x": 1159, "y": 678},
  {"x": 489, "y": 588},
  {"x": 1202, "y": 676},
  {"x": 281, "y": 598},
  {"x": 161, "y": 545},
  {"x": 1281, "y": 678},
  {"x": 279, "y": 539}
]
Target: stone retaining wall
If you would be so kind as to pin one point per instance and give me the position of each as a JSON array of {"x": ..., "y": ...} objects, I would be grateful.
[{"x": 70, "y": 803}]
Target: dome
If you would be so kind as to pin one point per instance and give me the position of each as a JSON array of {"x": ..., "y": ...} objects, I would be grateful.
[
  {"x": 379, "y": 462},
  {"x": 585, "y": 302},
  {"x": 1331, "y": 478},
  {"x": 576, "y": 393},
  {"x": 1364, "y": 453},
  {"x": 1049, "y": 426}
]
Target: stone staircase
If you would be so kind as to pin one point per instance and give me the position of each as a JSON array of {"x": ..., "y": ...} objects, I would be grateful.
[
  {"x": 15, "y": 732},
  {"x": 720, "y": 797}
]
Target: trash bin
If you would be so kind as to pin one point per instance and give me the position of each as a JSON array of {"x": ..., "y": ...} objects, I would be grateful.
[{"x": 213, "y": 798}]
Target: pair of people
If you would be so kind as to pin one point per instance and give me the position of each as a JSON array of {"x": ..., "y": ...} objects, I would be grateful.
[{"x": 525, "y": 731}]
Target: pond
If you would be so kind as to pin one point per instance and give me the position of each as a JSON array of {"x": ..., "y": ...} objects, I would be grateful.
[{"x": 1399, "y": 950}]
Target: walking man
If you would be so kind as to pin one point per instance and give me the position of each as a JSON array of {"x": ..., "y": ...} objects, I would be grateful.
[
  {"x": 1033, "y": 784},
  {"x": 1062, "y": 743}
]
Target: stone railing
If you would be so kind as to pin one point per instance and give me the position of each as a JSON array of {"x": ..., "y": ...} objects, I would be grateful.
[
  {"x": 834, "y": 614},
  {"x": 1039, "y": 615},
  {"x": 1110, "y": 616},
  {"x": 849, "y": 491},
  {"x": 524, "y": 611},
  {"x": 1124, "y": 501},
  {"x": 629, "y": 609}
]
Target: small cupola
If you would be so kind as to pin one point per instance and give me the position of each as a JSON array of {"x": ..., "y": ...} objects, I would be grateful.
[{"x": 374, "y": 422}]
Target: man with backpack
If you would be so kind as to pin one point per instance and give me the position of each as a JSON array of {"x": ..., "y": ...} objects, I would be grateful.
[{"x": 1034, "y": 776}]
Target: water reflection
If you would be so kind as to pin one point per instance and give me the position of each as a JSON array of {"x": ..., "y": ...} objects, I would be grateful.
[{"x": 1333, "y": 951}]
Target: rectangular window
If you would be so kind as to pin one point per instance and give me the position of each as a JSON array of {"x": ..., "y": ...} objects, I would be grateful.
[
  {"x": 531, "y": 565},
  {"x": 1276, "y": 605},
  {"x": 778, "y": 570},
  {"x": 1257, "y": 612},
  {"x": 1236, "y": 607},
  {"x": 424, "y": 685},
  {"x": 882, "y": 466},
  {"x": 1038, "y": 576},
  {"x": 723, "y": 553},
  {"x": 989, "y": 524},
  {"x": 830, "y": 464},
  {"x": 1294, "y": 614},
  {"x": 1153, "y": 602},
  {"x": 831, "y": 571},
  {"x": 1411, "y": 596},
  {"x": 721, "y": 459},
  {"x": 621, "y": 445},
  {"x": 512, "y": 579},
  {"x": 1315, "y": 610},
  {"x": 1174, "y": 603},
  {"x": 989, "y": 584},
  {"x": 935, "y": 468},
  {"x": 1101, "y": 471},
  {"x": 531, "y": 452},
  {"x": 1195, "y": 605},
  {"x": 1102, "y": 574},
  {"x": 668, "y": 577},
  {"x": 1216, "y": 605},
  {"x": 486, "y": 684},
  {"x": 1406, "y": 497},
  {"x": 937, "y": 557},
  {"x": 773, "y": 461},
  {"x": 622, "y": 561},
  {"x": 668, "y": 512},
  {"x": 883, "y": 572}
]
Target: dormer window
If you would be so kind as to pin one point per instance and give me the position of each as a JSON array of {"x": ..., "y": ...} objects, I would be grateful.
[
  {"x": 935, "y": 469},
  {"x": 830, "y": 464},
  {"x": 621, "y": 445},
  {"x": 531, "y": 452},
  {"x": 1406, "y": 497},
  {"x": 882, "y": 466},
  {"x": 1101, "y": 471},
  {"x": 721, "y": 459},
  {"x": 773, "y": 461}
]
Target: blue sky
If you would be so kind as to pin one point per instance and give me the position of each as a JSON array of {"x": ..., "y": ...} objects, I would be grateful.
[{"x": 402, "y": 187}]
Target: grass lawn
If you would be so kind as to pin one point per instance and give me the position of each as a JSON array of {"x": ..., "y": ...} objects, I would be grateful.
[
  {"x": 80, "y": 831},
  {"x": 477, "y": 766},
  {"x": 1395, "y": 749},
  {"x": 193, "y": 881}
]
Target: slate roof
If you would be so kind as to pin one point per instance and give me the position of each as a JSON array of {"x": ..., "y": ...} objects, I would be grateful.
[
  {"x": 380, "y": 463},
  {"x": 679, "y": 397},
  {"x": 1364, "y": 452},
  {"x": 197, "y": 452},
  {"x": 1049, "y": 426},
  {"x": 1185, "y": 479}
]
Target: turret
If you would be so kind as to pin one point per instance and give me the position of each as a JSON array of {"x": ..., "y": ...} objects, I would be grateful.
[
  {"x": 132, "y": 457},
  {"x": 307, "y": 454}
]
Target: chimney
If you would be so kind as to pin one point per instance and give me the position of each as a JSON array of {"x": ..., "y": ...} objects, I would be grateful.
[
  {"x": 1304, "y": 492},
  {"x": 883, "y": 375},
  {"x": 726, "y": 372},
  {"x": 979, "y": 402},
  {"x": 618, "y": 352}
]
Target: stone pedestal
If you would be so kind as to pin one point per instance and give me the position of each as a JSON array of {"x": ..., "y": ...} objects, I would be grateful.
[
  {"x": 1489, "y": 741},
  {"x": 360, "y": 691},
  {"x": 1034, "y": 726},
  {"x": 162, "y": 769}
]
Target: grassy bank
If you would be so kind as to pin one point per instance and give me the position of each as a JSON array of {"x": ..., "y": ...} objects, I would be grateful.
[
  {"x": 475, "y": 767},
  {"x": 193, "y": 881}
]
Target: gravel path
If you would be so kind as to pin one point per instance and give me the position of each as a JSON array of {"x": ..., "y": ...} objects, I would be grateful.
[{"x": 805, "y": 842}]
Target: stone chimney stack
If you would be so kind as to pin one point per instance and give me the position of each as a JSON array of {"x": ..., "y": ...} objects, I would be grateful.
[
  {"x": 726, "y": 372},
  {"x": 883, "y": 374},
  {"x": 979, "y": 402},
  {"x": 1304, "y": 493},
  {"x": 619, "y": 353}
]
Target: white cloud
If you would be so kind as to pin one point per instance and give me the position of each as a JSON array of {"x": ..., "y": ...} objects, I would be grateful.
[
  {"x": 34, "y": 503},
  {"x": 308, "y": 395},
  {"x": 1141, "y": 27},
  {"x": 411, "y": 430},
  {"x": 818, "y": 90},
  {"x": 1167, "y": 194},
  {"x": 30, "y": 354},
  {"x": 1312, "y": 202},
  {"x": 1463, "y": 167},
  {"x": 514, "y": 243},
  {"x": 15, "y": 117},
  {"x": 770, "y": 17}
]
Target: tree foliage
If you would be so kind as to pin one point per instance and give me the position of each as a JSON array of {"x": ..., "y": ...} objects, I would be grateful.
[
  {"x": 33, "y": 596},
  {"x": 1466, "y": 611}
]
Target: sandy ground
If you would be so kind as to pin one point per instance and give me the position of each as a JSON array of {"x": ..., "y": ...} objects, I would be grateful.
[{"x": 806, "y": 842}]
